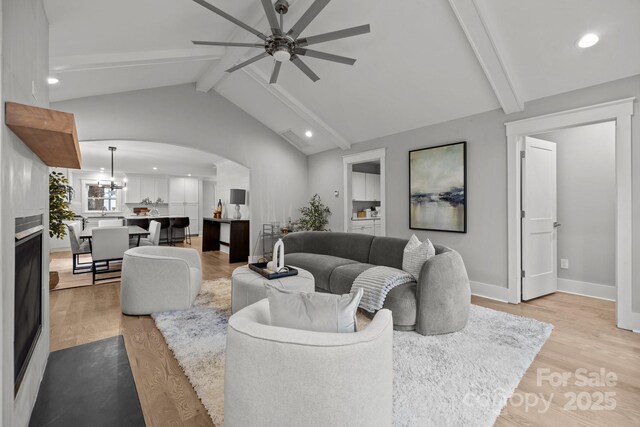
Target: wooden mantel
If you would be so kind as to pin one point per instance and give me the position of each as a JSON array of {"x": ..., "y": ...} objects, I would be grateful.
[{"x": 50, "y": 134}]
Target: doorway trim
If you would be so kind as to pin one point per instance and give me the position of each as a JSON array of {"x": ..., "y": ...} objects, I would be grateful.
[
  {"x": 619, "y": 111},
  {"x": 365, "y": 156}
]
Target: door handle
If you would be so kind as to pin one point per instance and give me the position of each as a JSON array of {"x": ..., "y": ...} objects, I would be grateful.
[{"x": 556, "y": 224}]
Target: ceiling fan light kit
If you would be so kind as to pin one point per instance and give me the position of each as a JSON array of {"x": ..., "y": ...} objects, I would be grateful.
[{"x": 287, "y": 46}]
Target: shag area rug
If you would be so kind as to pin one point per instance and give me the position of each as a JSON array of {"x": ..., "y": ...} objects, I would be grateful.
[{"x": 464, "y": 378}]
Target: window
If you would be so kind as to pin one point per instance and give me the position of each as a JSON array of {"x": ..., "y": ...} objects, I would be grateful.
[{"x": 98, "y": 199}]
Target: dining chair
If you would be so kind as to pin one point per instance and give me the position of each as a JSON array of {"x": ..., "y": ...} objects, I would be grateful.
[
  {"x": 110, "y": 223},
  {"x": 154, "y": 235},
  {"x": 140, "y": 222},
  {"x": 182, "y": 223},
  {"x": 108, "y": 244},
  {"x": 78, "y": 248}
]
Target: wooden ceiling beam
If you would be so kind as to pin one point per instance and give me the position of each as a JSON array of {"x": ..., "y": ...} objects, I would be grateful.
[{"x": 50, "y": 134}]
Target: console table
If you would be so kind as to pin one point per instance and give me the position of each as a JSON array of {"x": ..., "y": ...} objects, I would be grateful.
[{"x": 238, "y": 239}]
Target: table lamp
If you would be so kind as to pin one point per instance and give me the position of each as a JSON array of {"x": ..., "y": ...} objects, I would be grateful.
[{"x": 237, "y": 197}]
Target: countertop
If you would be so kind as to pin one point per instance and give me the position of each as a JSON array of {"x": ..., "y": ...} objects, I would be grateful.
[{"x": 367, "y": 219}]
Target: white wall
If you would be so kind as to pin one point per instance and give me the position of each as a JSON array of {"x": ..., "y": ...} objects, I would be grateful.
[
  {"x": 23, "y": 188},
  {"x": 206, "y": 121},
  {"x": 587, "y": 201},
  {"x": 232, "y": 175},
  {"x": 484, "y": 246}
]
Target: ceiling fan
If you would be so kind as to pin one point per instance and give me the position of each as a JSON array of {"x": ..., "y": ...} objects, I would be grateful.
[{"x": 287, "y": 46}]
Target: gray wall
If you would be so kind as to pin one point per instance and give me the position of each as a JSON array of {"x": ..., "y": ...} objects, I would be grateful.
[
  {"x": 587, "y": 201},
  {"x": 180, "y": 115},
  {"x": 484, "y": 247},
  {"x": 23, "y": 188}
]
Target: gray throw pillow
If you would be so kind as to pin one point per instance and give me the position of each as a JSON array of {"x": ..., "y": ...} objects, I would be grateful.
[
  {"x": 416, "y": 253},
  {"x": 311, "y": 311}
]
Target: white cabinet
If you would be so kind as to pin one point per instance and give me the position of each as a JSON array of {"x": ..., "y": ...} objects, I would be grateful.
[
  {"x": 371, "y": 227},
  {"x": 148, "y": 187},
  {"x": 183, "y": 190},
  {"x": 183, "y": 201},
  {"x": 190, "y": 190},
  {"x": 365, "y": 226},
  {"x": 132, "y": 195},
  {"x": 372, "y": 187},
  {"x": 142, "y": 186},
  {"x": 176, "y": 209},
  {"x": 176, "y": 190},
  {"x": 162, "y": 189},
  {"x": 193, "y": 212},
  {"x": 365, "y": 186},
  {"x": 358, "y": 186}
]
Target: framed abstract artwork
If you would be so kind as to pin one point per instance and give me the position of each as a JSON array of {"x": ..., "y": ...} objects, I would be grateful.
[{"x": 438, "y": 187}]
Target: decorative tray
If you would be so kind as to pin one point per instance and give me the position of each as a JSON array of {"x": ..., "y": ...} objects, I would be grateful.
[{"x": 261, "y": 268}]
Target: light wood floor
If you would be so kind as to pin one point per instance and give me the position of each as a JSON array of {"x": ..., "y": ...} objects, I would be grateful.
[{"x": 584, "y": 336}]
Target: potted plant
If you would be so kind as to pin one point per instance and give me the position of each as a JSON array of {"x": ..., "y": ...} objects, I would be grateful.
[
  {"x": 315, "y": 217},
  {"x": 60, "y": 193}
]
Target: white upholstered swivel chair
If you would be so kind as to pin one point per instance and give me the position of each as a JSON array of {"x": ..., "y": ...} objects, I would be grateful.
[
  {"x": 154, "y": 235},
  {"x": 108, "y": 244},
  {"x": 78, "y": 248},
  {"x": 159, "y": 278},
  {"x": 288, "y": 377},
  {"x": 110, "y": 223}
]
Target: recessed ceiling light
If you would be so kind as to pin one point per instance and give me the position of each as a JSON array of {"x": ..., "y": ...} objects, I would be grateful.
[
  {"x": 155, "y": 168},
  {"x": 308, "y": 134},
  {"x": 101, "y": 169},
  {"x": 588, "y": 40},
  {"x": 188, "y": 174},
  {"x": 52, "y": 80}
]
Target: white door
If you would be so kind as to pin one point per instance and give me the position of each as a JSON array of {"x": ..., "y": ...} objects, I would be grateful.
[{"x": 539, "y": 237}]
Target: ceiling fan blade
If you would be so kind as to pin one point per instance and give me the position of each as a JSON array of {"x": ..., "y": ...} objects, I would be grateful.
[
  {"x": 230, "y": 18},
  {"x": 247, "y": 62},
  {"x": 308, "y": 16},
  {"x": 272, "y": 17},
  {"x": 275, "y": 73},
  {"x": 303, "y": 67},
  {"x": 335, "y": 35},
  {"x": 326, "y": 56},
  {"x": 198, "y": 42}
]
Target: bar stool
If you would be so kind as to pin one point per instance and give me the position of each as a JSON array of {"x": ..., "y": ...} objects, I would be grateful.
[
  {"x": 165, "y": 224},
  {"x": 140, "y": 222},
  {"x": 182, "y": 223}
]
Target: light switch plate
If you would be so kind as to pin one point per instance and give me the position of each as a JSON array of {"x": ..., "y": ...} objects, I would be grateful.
[{"x": 564, "y": 264}]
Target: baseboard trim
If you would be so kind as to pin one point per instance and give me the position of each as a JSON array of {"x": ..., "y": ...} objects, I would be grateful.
[
  {"x": 586, "y": 289},
  {"x": 494, "y": 292}
]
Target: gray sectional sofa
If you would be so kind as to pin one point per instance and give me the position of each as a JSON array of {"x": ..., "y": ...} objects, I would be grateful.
[{"x": 437, "y": 304}]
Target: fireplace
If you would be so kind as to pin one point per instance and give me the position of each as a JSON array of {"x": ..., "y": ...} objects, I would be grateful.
[{"x": 28, "y": 293}]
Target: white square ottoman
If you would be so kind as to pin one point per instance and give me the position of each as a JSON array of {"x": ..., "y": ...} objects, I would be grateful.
[{"x": 247, "y": 286}]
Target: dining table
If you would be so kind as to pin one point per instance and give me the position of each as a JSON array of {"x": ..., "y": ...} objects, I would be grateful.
[{"x": 134, "y": 231}]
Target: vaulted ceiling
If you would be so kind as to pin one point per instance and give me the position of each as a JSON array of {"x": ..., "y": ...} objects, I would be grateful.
[{"x": 424, "y": 62}]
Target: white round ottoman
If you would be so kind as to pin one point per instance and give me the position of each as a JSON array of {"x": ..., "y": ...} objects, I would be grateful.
[{"x": 247, "y": 286}]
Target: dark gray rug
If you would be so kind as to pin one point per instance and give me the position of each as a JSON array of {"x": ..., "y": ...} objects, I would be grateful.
[{"x": 88, "y": 385}]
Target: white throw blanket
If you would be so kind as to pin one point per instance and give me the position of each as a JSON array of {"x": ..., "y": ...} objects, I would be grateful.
[{"x": 376, "y": 283}]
